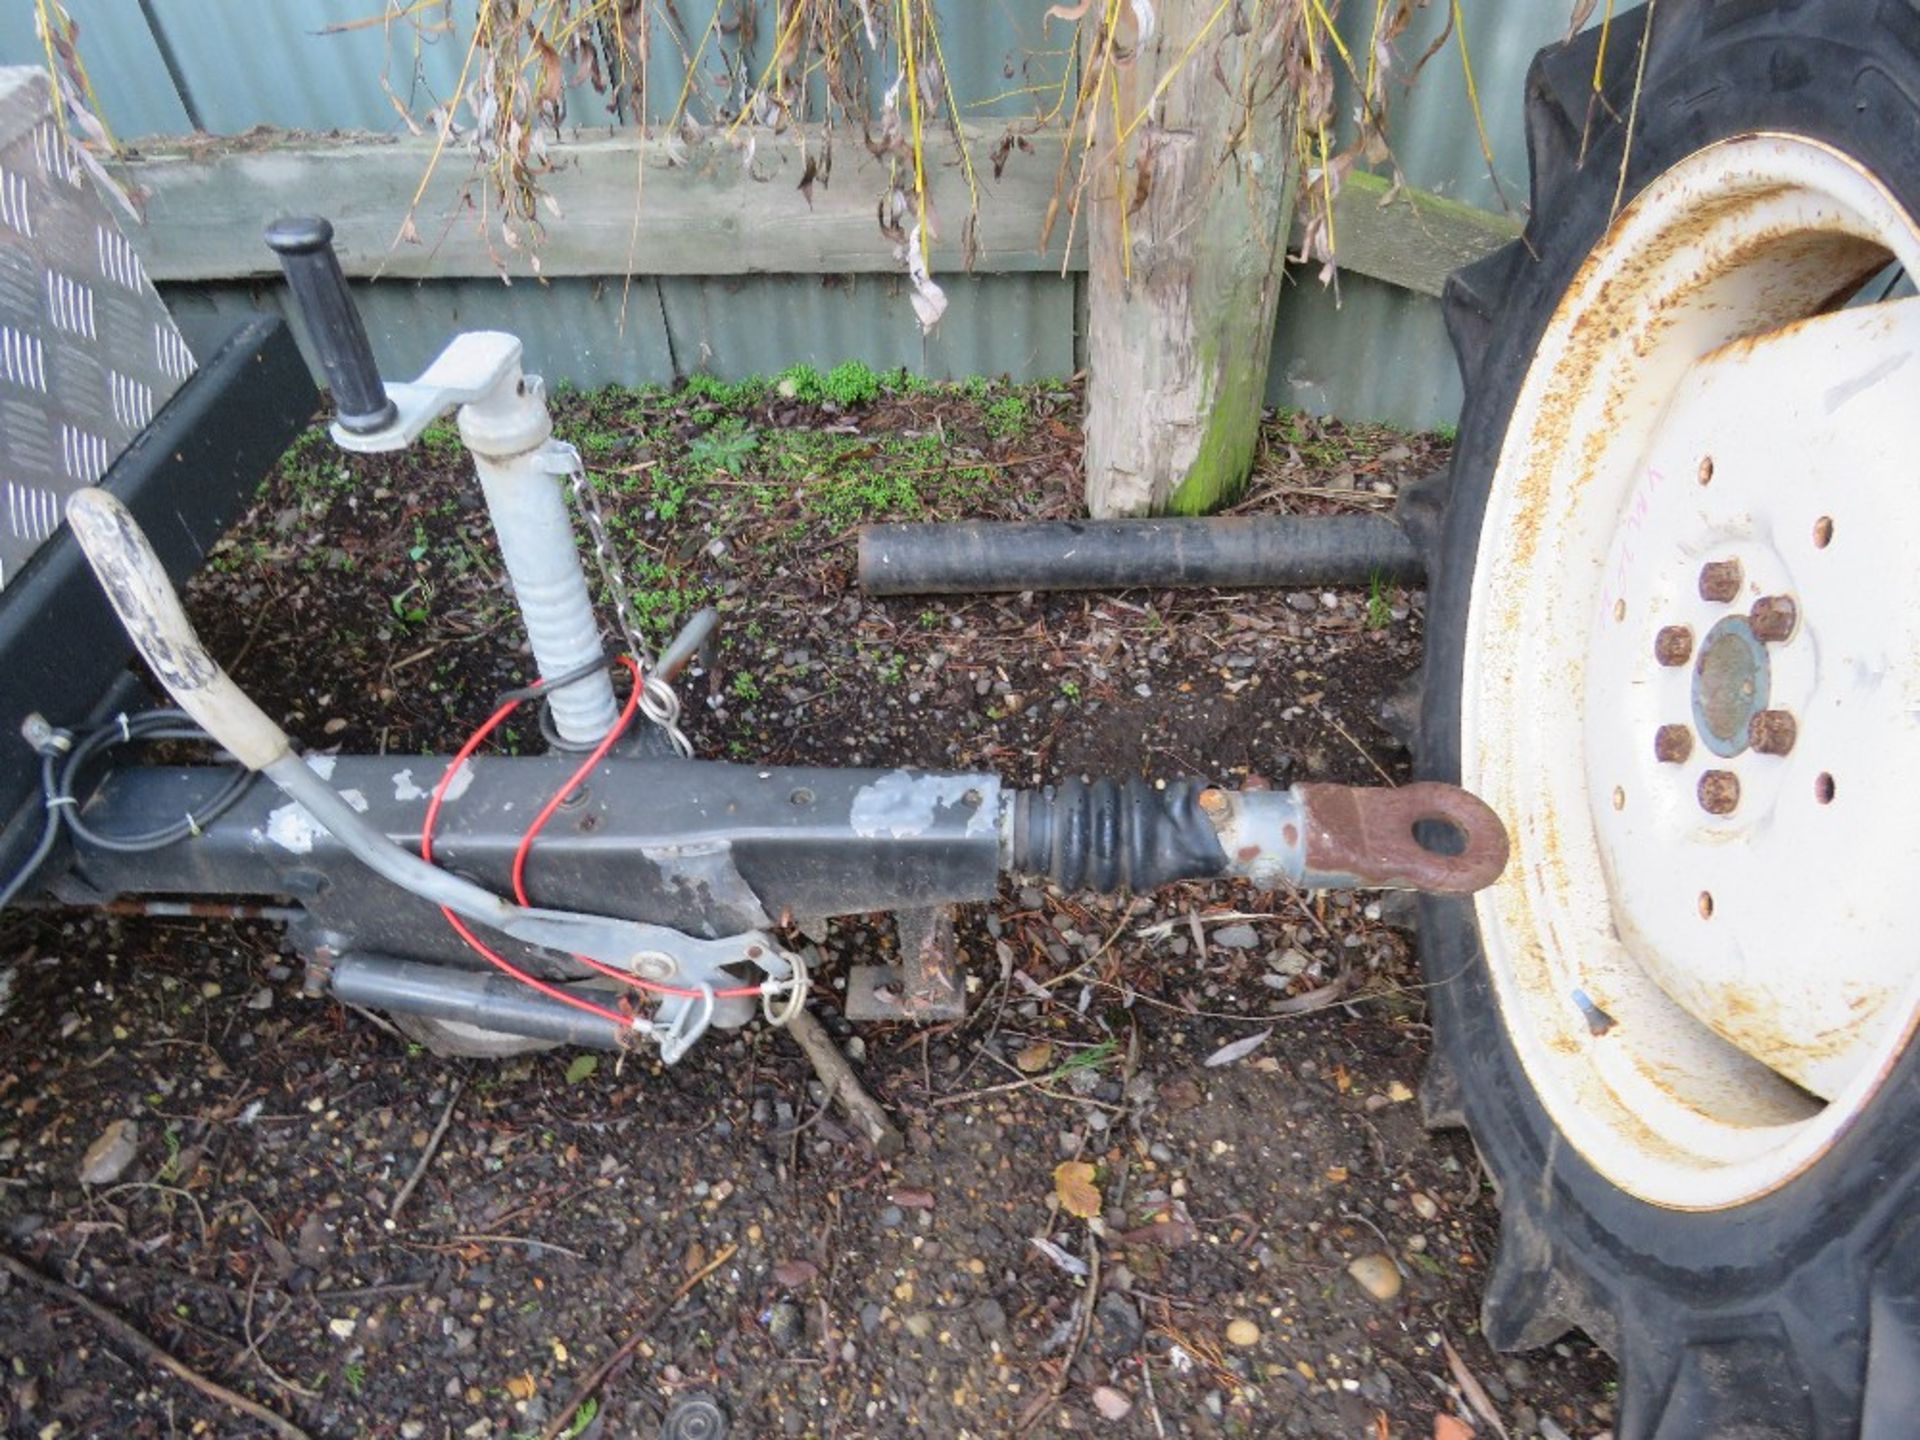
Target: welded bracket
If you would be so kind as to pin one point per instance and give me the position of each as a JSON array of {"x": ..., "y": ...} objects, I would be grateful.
[
  {"x": 925, "y": 986},
  {"x": 471, "y": 368}
]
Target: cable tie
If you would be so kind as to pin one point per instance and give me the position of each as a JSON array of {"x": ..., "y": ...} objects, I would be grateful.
[
  {"x": 53, "y": 800},
  {"x": 126, "y": 729},
  {"x": 193, "y": 826},
  {"x": 559, "y": 682}
]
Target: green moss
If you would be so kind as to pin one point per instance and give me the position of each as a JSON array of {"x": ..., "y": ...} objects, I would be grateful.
[{"x": 1225, "y": 458}]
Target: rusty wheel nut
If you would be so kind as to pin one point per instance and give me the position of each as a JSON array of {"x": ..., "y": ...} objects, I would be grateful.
[
  {"x": 1672, "y": 744},
  {"x": 1212, "y": 801},
  {"x": 1773, "y": 617},
  {"x": 1720, "y": 581},
  {"x": 1719, "y": 792},
  {"x": 1772, "y": 732},
  {"x": 1673, "y": 645}
]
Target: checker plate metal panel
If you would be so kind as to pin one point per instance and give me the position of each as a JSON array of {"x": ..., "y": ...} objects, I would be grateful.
[{"x": 88, "y": 352}]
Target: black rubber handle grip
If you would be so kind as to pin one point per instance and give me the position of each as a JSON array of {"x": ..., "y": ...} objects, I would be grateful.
[{"x": 304, "y": 244}]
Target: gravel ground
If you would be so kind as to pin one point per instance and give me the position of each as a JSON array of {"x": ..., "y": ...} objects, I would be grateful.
[{"x": 1092, "y": 1229}]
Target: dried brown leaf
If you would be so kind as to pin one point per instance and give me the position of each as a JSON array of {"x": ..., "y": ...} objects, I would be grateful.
[
  {"x": 1035, "y": 1057},
  {"x": 1073, "y": 1183}
]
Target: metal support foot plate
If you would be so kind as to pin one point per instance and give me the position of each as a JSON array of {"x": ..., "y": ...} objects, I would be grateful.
[{"x": 926, "y": 986}]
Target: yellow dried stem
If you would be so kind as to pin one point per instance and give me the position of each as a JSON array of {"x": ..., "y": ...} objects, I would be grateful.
[{"x": 1473, "y": 101}]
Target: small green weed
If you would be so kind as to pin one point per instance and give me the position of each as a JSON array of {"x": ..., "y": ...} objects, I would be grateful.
[
  {"x": 745, "y": 688},
  {"x": 441, "y": 441},
  {"x": 728, "y": 394},
  {"x": 409, "y": 607},
  {"x": 1091, "y": 1058},
  {"x": 1007, "y": 416},
  {"x": 1379, "y": 609},
  {"x": 313, "y": 469},
  {"x": 670, "y": 495},
  {"x": 598, "y": 443},
  {"x": 724, "y": 448},
  {"x": 660, "y": 593},
  {"x": 707, "y": 387},
  {"x": 1302, "y": 432},
  {"x": 800, "y": 382},
  {"x": 851, "y": 383}
]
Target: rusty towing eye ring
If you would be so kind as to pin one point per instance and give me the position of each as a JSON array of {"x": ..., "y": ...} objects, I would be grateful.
[{"x": 1340, "y": 837}]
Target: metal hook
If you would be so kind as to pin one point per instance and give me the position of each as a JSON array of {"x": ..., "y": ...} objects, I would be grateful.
[{"x": 686, "y": 1027}]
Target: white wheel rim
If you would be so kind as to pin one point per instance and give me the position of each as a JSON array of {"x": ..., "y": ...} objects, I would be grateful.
[{"x": 1705, "y": 1000}]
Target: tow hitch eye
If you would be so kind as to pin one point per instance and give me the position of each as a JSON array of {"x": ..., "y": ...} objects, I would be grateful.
[{"x": 1424, "y": 836}]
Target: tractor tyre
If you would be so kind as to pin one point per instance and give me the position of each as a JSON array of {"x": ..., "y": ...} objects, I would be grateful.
[{"x": 1673, "y": 637}]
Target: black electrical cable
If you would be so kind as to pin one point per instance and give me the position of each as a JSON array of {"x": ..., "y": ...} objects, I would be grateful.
[
  {"x": 540, "y": 689},
  {"x": 62, "y": 762},
  {"x": 151, "y": 725},
  {"x": 49, "y": 836}
]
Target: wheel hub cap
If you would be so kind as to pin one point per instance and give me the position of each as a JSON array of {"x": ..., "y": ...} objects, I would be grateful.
[{"x": 1730, "y": 685}]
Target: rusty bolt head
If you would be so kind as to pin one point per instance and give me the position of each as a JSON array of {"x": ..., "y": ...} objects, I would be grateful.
[
  {"x": 1214, "y": 802},
  {"x": 1720, "y": 581},
  {"x": 1773, "y": 617},
  {"x": 1672, "y": 744},
  {"x": 1719, "y": 792},
  {"x": 1772, "y": 732},
  {"x": 1673, "y": 645}
]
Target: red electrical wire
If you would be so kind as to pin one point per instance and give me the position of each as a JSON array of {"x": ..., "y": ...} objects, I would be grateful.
[
  {"x": 498, "y": 961},
  {"x": 573, "y": 782},
  {"x": 521, "y": 853}
]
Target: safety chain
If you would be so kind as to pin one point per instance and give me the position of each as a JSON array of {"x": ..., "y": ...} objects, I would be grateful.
[{"x": 658, "y": 702}]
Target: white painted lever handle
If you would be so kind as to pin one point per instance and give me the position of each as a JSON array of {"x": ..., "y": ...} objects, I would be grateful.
[{"x": 137, "y": 585}]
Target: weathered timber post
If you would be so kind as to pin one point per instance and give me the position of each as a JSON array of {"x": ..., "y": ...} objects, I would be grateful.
[{"x": 1177, "y": 350}]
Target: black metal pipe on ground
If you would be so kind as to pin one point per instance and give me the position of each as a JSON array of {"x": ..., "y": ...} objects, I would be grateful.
[{"x": 1255, "y": 550}]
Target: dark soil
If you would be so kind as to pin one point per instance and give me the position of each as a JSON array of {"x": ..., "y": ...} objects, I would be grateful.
[{"x": 362, "y": 603}]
